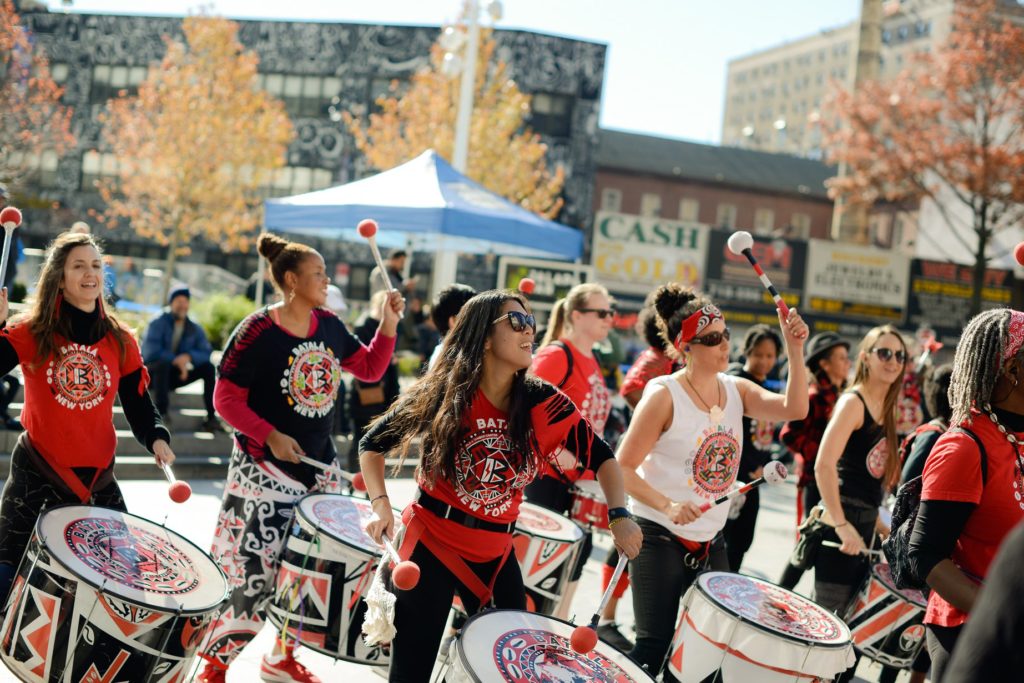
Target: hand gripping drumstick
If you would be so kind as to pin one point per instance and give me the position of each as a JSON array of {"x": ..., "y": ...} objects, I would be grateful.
[
  {"x": 179, "y": 491},
  {"x": 368, "y": 229},
  {"x": 10, "y": 218},
  {"x": 355, "y": 479},
  {"x": 742, "y": 242},
  {"x": 584, "y": 638},
  {"x": 407, "y": 573},
  {"x": 774, "y": 472}
]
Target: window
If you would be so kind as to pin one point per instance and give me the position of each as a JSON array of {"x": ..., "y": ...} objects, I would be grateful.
[
  {"x": 297, "y": 180},
  {"x": 689, "y": 209},
  {"x": 764, "y": 221},
  {"x": 650, "y": 204},
  {"x": 41, "y": 168},
  {"x": 97, "y": 166},
  {"x": 801, "y": 226},
  {"x": 726, "y": 216},
  {"x": 611, "y": 200},
  {"x": 307, "y": 96},
  {"x": 59, "y": 73},
  {"x": 552, "y": 114},
  {"x": 109, "y": 80}
]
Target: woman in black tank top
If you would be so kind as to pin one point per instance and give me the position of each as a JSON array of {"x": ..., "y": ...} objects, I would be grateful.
[{"x": 856, "y": 461}]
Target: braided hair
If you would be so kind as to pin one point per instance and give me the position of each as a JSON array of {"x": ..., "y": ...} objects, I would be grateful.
[{"x": 978, "y": 362}]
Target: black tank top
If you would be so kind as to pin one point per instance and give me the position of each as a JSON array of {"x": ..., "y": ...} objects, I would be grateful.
[{"x": 862, "y": 465}]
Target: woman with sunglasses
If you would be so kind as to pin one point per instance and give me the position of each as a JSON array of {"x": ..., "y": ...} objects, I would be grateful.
[
  {"x": 566, "y": 359},
  {"x": 485, "y": 427},
  {"x": 683, "y": 449}
]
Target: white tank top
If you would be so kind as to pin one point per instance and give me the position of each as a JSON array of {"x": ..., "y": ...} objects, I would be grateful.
[{"x": 694, "y": 461}]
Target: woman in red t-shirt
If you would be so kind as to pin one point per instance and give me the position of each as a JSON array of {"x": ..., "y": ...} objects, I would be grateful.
[
  {"x": 75, "y": 357},
  {"x": 971, "y": 497},
  {"x": 487, "y": 427}
]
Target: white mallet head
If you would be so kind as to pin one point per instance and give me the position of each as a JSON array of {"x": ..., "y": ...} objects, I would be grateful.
[
  {"x": 775, "y": 472},
  {"x": 740, "y": 241}
]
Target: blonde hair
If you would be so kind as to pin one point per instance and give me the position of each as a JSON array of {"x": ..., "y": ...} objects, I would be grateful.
[
  {"x": 892, "y": 398},
  {"x": 573, "y": 301}
]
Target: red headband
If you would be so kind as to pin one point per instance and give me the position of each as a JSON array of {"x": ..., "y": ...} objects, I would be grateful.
[
  {"x": 1015, "y": 336},
  {"x": 696, "y": 323}
]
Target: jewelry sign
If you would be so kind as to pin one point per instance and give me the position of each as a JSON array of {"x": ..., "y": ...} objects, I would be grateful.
[{"x": 856, "y": 282}]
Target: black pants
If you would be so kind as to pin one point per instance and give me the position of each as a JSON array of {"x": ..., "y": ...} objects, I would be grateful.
[
  {"x": 791, "y": 575},
  {"x": 27, "y": 493},
  {"x": 420, "y": 613},
  {"x": 9, "y": 386},
  {"x": 660, "y": 576},
  {"x": 739, "y": 532},
  {"x": 165, "y": 378},
  {"x": 941, "y": 640}
]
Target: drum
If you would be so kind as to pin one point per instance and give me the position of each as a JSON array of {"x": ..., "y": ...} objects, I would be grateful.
[
  {"x": 326, "y": 568},
  {"x": 522, "y": 647},
  {"x": 102, "y": 595},
  {"x": 588, "y": 505},
  {"x": 887, "y": 623},
  {"x": 755, "y": 631},
  {"x": 546, "y": 544}
]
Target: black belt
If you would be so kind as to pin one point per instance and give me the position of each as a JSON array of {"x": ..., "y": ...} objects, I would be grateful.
[{"x": 446, "y": 511}]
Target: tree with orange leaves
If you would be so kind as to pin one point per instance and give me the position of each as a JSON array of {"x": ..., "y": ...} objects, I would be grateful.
[
  {"x": 196, "y": 146},
  {"x": 33, "y": 119},
  {"x": 947, "y": 129},
  {"x": 503, "y": 157}
]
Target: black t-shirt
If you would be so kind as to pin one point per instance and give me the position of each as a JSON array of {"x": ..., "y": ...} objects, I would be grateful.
[
  {"x": 862, "y": 465},
  {"x": 293, "y": 382}
]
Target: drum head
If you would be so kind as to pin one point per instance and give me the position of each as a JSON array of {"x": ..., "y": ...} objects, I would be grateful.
[
  {"x": 884, "y": 576},
  {"x": 132, "y": 558},
  {"x": 522, "y": 647},
  {"x": 590, "y": 488},
  {"x": 538, "y": 521},
  {"x": 774, "y": 609},
  {"x": 341, "y": 517}
]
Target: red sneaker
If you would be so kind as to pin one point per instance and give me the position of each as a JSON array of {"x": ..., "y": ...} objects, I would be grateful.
[
  {"x": 285, "y": 669},
  {"x": 212, "y": 674}
]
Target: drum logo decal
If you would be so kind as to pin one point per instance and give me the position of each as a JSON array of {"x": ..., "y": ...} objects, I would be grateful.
[
  {"x": 311, "y": 379},
  {"x": 538, "y": 656},
  {"x": 345, "y": 519},
  {"x": 911, "y": 637},
  {"x": 535, "y": 521},
  {"x": 876, "y": 459},
  {"x": 716, "y": 461},
  {"x": 131, "y": 556},
  {"x": 488, "y": 471},
  {"x": 38, "y": 627},
  {"x": 774, "y": 607},
  {"x": 78, "y": 378}
]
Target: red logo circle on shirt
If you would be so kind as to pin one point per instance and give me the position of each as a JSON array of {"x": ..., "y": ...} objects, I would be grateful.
[
  {"x": 488, "y": 471},
  {"x": 877, "y": 458},
  {"x": 311, "y": 380},
  {"x": 77, "y": 377},
  {"x": 716, "y": 461}
]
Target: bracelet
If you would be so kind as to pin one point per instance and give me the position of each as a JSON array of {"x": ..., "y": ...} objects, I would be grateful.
[
  {"x": 839, "y": 526},
  {"x": 376, "y": 498},
  {"x": 615, "y": 521}
]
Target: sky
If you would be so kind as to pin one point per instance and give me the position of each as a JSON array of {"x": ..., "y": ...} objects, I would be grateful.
[{"x": 666, "y": 60}]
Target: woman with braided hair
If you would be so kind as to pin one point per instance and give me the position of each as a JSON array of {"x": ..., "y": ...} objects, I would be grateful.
[{"x": 973, "y": 481}]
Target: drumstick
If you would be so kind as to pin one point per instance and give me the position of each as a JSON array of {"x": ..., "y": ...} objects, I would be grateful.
[
  {"x": 179, "y": 491},
  {"x": 774, "y": 472},
  {"x": 407, "y": 573},
  {"x": 584, "y": 638},
  {"x": 355, "y": 479},
  {"x": 368, "y": 229},
  {"x": 10, "y": 218},
  {"x": 866, "y": 551},
  {"x": 741, "y": 242}
]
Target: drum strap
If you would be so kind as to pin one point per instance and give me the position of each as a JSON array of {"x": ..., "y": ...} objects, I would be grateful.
[
  {"x": 64, "y": 475},
  {"x": 696, "y": 551},
  {"x": 417, "y": 532}
]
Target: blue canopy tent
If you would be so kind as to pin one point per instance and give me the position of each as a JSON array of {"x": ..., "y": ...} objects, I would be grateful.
[{"x": 428, "y": 205}]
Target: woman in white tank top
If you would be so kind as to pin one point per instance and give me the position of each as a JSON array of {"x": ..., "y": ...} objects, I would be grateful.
[{"x": 683, "y": 449}]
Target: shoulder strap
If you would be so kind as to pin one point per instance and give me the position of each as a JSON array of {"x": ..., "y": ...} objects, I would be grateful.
[
  {"x": 568, "y": 361},
  {"x": 981, "y": 452}
]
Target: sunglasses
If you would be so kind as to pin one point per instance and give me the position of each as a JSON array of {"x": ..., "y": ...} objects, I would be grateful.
[
  {"x": 886, "y": 355},
  {"x": 602, "y": 313},
  {"x": 518, "y": 320},
  {"x": 712, "y": 338}
]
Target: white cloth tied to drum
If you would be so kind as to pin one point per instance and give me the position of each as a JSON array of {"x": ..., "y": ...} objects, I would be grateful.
[{"x": 756, "y": 631}]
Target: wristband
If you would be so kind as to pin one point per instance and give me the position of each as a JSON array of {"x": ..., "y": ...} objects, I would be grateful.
[
  {"x": 839, "y": 526},
  {"x": 376, "y": 498},
  {"x": 617, "y": 513}
]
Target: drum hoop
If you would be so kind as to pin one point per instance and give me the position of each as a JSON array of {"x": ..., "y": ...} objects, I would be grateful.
[
  {"x": 761, "y": 627},
  {"x": 891, "y": 589},
  {"x": 545, "y": 535},
  {"x": 106, "y": 589},
  {"x": 326, "y": 533}
]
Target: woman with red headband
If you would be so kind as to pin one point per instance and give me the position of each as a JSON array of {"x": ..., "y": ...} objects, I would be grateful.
[{"x": 683, "y": 449}]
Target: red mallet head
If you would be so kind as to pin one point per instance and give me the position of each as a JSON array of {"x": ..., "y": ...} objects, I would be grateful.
[
  {"x": 406, "y": 575},
  {"x": 179, "y": 491},
  {"x": 527, "y": 285},
  {"x": 1018, "y": 253},
  {"x": 367, "y": 228},
  {"x": 583, "y": 639},
  {"x": 740, "y": 241},
  {"x": 358, "y": 483},
  {"x": 9, "y": 215}
]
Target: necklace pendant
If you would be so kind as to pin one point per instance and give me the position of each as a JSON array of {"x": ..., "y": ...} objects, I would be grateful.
[{"x": 716, "y": 414}]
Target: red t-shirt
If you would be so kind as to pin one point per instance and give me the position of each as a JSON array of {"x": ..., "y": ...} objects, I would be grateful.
[
  {"x": 585, "y": 386},
  {"x": 953, "y": 473},
  {"x": 69, "y": 399},
  {"x": 649, "y": 364}
]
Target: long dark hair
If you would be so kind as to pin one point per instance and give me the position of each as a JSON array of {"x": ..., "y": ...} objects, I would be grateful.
[
  {"x": 44, "y": 320},
  {"x": 892, "y": 398},
  {"x": 435, "y": 406}
]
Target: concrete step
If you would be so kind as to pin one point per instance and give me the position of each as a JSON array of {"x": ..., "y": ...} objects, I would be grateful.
[
  {"x": 190, "y": 397},
  {"x": 184, "y": 420}
]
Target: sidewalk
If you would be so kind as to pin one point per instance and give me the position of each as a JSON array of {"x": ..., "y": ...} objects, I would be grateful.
[{"x": 196, "y": 519}]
